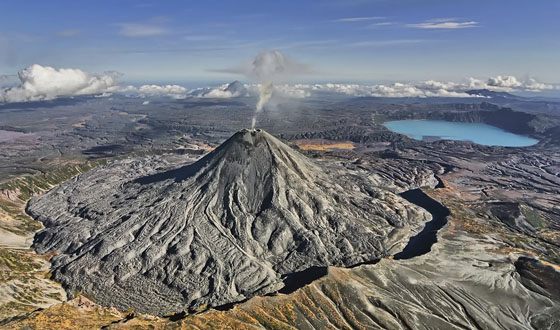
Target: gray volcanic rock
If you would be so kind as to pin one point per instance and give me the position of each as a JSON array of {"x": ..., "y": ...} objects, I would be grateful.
[{"x": 217, "y": 231}]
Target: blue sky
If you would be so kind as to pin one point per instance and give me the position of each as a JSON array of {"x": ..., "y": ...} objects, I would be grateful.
[{"x": 351, "y": 40}]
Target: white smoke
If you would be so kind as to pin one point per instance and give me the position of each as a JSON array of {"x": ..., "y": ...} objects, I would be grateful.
[
  {"x": 265, "y": 94},
  {"x": 267, "y": 68}
]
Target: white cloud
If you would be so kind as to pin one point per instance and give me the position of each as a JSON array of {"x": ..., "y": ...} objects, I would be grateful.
[
  {"x": 385, "y": 43},
  {"x": 504, "y": 81},
  {"x": 225, "y": 91},
  {"x": 173, "y": 91},
  {"x": 429, "y": 88},
  {"x": 138, "y": 30},
  {"x": 507, "y": 83},
  {"x": 296, "y": 91},
  {"x": 533, "y": 85},
  {"x": 424, "y": 89},
  {"x": 378, "y": 24},
  {"x": 150, "y": 91},
  {"x": 219, "y": 93},
  {"x": 432, "y": 88},
  {"x": 44, "y": 83},
  {"x": 439, "y": 85},
  {"x": 243, "y": 90},
  {"x": 358, "y": 19},
  {"x": 444, "y": 24}
]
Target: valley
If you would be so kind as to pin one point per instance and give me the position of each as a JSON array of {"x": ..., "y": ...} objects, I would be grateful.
[{"x": 500, "y": 238}]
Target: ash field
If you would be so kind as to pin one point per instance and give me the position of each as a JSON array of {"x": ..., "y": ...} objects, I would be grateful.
[{"x": 121, "y": 213}]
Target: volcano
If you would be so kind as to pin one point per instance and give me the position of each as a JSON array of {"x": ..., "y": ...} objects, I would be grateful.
[{"x": 225, "y": 228}]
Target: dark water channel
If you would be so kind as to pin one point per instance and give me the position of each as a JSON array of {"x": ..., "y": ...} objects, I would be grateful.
[{"x": 423, "y": 241}]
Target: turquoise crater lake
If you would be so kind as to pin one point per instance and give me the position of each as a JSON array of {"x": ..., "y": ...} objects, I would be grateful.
[{"x": 444, "y": 130}]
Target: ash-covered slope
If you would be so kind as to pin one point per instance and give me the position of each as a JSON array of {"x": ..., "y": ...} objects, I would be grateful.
[{"x": 220, "y": 230}]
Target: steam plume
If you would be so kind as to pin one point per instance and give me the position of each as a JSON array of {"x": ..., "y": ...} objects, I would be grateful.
[
  {"x": 265, "y": 94},
  {"x": 267, "y": 68}
]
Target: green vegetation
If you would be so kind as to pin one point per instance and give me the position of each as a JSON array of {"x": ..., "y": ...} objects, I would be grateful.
[
  {"x": 21, "y": 269},
  {"x": 23, "y": 188},
  {"x": 29, "y": 185},
  {"x": 14, "y": 262},
  {"x": 22, "y": 224},
  {"x": 533, "y": 217}
]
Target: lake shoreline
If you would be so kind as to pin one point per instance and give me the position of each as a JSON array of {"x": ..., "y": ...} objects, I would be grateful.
[{"x": 434, "y": 130}]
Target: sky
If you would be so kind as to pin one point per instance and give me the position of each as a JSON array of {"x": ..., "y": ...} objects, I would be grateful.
[{"x": 339, "y": 40}]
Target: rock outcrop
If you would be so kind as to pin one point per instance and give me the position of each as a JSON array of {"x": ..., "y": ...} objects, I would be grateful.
[{"x": 220, "y": 230}]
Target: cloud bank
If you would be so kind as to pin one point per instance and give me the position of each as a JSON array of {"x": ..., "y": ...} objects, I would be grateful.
[
  {"x": 423, "y": 89},
  {"x": 46, "y": 83},
  {"x": 39, "y": 82},
  {"x": 511, "y": 83},
  {"x": 173, "y": 91}
]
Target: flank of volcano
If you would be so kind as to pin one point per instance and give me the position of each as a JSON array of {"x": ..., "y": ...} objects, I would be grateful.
[{"x": 217, "y": 231}]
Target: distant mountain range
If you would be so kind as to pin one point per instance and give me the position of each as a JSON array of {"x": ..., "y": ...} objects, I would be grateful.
[{"x": 489, "y": 93}]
